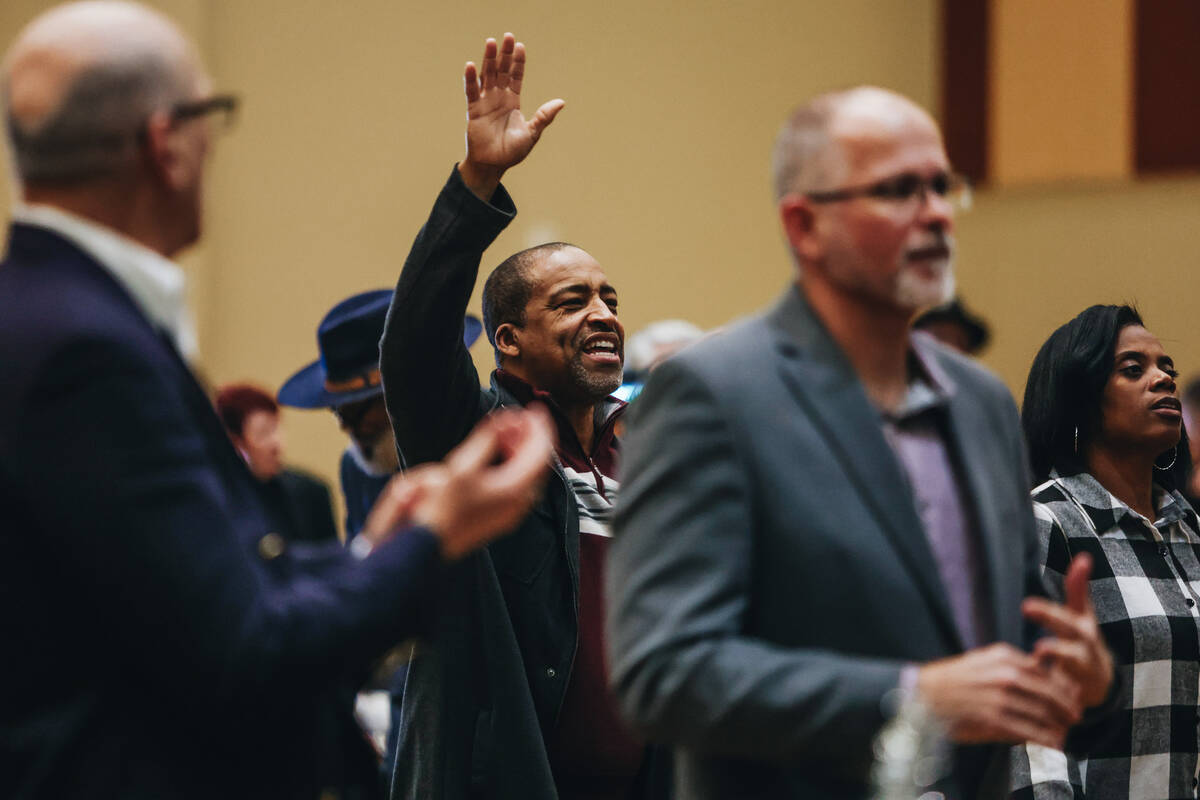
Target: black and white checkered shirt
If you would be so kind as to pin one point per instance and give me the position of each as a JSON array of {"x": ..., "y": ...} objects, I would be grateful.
[{"x": 1146, "y": 589}]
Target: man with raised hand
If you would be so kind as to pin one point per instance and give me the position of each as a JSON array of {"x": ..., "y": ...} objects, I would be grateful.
[
  {"x": 159, "y": 639},
  {"x": 823, "y": 515},
  {"x": 510, "y": 700}
]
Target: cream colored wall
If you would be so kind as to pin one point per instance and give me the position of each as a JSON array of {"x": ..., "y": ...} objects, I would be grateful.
[
  {"x": 658, "y": 165},
  {"x": 353, "y": 118},
  {"x": 1031, "y": 259},
  {"x": 1061, "y": 90}
]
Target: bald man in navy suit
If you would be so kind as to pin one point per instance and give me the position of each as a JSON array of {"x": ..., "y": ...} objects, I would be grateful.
[{"x": 160, "y": 641}]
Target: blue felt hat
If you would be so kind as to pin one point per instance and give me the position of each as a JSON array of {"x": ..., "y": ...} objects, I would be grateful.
[{"x": 348, "y": 342}]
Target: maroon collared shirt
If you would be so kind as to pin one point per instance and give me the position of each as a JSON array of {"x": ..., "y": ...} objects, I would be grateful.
[{"x": 593, "y": 755}]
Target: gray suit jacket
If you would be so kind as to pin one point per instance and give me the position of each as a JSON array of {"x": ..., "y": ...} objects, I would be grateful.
[{"x": 770, "y": 575}]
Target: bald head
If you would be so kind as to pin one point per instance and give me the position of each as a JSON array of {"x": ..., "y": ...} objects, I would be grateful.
[
  {"x": 82, "y": 78},
  {"x": 809, "y": 154}
]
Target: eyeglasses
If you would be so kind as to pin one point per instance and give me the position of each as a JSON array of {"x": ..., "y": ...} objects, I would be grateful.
[
  {"x": 902, "y": 190},
  {"x": 223, "y": 107}
]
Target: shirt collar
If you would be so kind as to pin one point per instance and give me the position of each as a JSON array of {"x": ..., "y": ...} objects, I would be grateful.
[
  {"x": 607, "y": 410},
  {"x": 929, "y": 386},
  {"x": 1091, "y": 494},
  {"x": 157, "y": 285}
]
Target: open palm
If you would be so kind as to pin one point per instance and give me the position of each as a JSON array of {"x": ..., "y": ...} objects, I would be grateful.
[{"x": 497, "y": 135}]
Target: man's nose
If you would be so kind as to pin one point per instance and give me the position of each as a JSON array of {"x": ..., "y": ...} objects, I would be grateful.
[
  {"x": 600, "y": 311},
  {"x": 936, "y": 211}
]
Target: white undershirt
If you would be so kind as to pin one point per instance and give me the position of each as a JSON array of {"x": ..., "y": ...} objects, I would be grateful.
[{"x": 157, "y": 285}]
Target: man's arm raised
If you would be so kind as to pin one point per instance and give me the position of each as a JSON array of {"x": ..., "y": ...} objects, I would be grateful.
[
  {"x": 498, "y": 136},
  {"x": 422, "y": 342}
]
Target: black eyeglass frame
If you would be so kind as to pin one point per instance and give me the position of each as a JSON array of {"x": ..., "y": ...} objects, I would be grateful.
[
  {"x": 192, "y": 109},
  {"x": 225, "y": 103},
  {"x": 899, "y": 188}
]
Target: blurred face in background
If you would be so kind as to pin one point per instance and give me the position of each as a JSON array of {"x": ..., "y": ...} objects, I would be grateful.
[
  {"x": 261, "y": 444},
  {"x": 372, "y": 444}
]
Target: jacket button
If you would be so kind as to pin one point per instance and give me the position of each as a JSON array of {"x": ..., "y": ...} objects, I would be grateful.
[
  {"x": 271, "y": 546},
  {"x": 1162, "y": 550},
  {"x": 1190, "y": 602},
  {"x": 551, "y": 672}
]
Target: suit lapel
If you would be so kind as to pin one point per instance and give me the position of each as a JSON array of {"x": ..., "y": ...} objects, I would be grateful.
[
  {"x": 827, "y": 388},
  {"x": 967, "y": 421}
]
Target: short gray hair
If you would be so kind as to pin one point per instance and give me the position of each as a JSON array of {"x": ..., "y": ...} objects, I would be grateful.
[
  {"x": 643, "y": 346},
  {"x": 94, "y": 130},
  {"x": 798, "y": 160}
]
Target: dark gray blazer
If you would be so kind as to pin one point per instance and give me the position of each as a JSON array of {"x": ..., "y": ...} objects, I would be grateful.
[{"x": 770, "y": 575}]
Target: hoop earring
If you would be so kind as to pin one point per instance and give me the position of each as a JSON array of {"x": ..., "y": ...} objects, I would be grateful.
[
  {"x": 1076, "y": 438},
  {"x": 1174, "y": 458}
]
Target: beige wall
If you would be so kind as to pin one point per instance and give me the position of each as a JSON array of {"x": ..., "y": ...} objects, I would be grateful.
[
  {"x": 1061, "y": 90},
  {"x": 658, "y": 165}
]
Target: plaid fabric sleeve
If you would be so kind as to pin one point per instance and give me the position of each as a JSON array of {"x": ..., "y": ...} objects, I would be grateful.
[
  {"x": 1053, "y": 549},
  {"x": 1042, "y": 773}
]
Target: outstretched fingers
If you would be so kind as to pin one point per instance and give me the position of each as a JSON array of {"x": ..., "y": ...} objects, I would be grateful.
[
  {"x": 544, "y": 116},
  {"x": 517, "y": 73},
  {"x": 503, "y": 72},
  {"x": 1075, "y": 585},
  {"x": 471, "y": 82},
  {"x": 489, "y": 64},
  {"x": 1059, "y": 620}
]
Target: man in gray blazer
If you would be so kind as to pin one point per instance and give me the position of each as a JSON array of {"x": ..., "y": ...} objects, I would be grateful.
[{"x": 822, "y": 514}]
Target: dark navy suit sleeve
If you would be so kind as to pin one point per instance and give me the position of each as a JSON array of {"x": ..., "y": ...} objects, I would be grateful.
[
  {"x": 132, "y": 496},
  {"x": 429, "y": 380}
]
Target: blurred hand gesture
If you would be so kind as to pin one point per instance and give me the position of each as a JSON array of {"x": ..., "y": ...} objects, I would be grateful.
[
  {"x": 998, "y": 694},
  {"x": 498, "y": 137},
  {"x": 483, "y": 489},
  {"x": 1077, "y": 649}
]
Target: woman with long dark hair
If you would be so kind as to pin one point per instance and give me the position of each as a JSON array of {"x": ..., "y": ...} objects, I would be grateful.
[{"x": 1110, "y": 456}]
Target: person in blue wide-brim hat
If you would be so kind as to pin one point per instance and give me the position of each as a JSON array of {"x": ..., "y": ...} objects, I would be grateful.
[{"x": 345, "y": 379}]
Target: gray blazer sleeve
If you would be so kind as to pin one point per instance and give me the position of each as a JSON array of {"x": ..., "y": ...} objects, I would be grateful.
[{"x": 679, "y": 584}]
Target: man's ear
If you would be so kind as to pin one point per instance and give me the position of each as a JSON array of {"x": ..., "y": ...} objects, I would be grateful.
[
  {"x": 239, "y": 444},
  {"x": 799, "y": 221},
  {"x": 508, "y": 343},
  {"x": 163, "y": 151}
]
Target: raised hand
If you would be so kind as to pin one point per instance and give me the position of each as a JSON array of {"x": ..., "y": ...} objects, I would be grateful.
[
  {"x": 1077, "y": 648},
  {"x": 498, "y": 136}
]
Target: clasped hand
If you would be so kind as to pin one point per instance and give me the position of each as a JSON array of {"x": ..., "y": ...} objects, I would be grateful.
[
  {"x": 483, "y": 488},
  {"x": 1001, "y": 694}
]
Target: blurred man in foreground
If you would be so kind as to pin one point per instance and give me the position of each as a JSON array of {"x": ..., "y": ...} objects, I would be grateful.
[
  {"x": 160, "y": 640},
  {"x": 820, "y": 513}
]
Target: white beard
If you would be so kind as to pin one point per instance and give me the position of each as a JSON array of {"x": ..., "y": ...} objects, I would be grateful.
[
  {"x": 383, "y": 457},
  {"x": 916, "y": 292}
]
